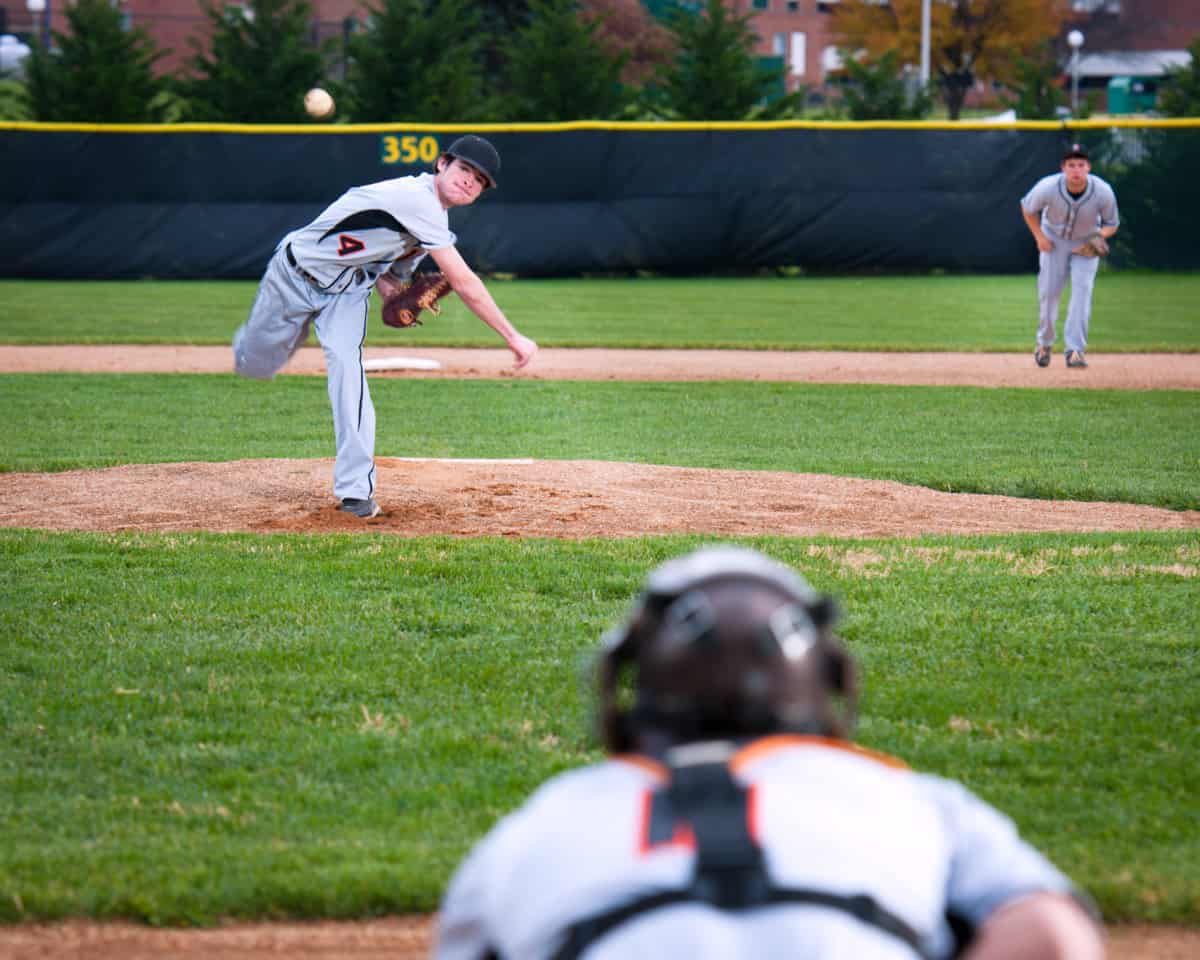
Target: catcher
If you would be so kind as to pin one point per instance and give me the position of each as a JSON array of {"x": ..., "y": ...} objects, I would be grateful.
[
  {"x": 1071, "y": 215},
  {"x": 736, "y": 818},
  {"x": 321, "y": 277}
]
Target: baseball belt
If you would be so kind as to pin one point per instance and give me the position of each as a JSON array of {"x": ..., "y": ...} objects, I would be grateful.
[{"x": 291, "y": 259}]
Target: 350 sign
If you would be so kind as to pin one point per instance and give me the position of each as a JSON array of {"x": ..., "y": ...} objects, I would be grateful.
[{"x": 408, "y": 149}]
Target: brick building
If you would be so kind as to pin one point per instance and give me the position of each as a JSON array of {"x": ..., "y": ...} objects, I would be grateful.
[
  {"x": 1121, "y": 37},
  {"x": 798, "y": 33},
  {"x": 170, "y": 23}
]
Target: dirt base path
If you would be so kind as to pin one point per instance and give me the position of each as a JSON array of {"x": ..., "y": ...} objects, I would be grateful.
[
  {"x": 394, "y": 938},
  {"x": 1140, "y": 371}
]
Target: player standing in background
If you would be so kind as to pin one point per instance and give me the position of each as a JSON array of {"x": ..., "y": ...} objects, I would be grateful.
[
  {"x": 1062, "y": 211},
  {"x": 735, "y": 818},
  {"x": 321, "y": 277}
]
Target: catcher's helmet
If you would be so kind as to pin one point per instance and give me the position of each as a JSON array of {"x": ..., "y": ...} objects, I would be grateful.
[
  {"x": 724, "y": 643},
  {"x": 479, "y": 153}
]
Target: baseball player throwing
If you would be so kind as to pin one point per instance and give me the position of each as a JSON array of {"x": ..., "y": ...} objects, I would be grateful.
[
  {"x": 735, "y": 818},
  {"x": 1071, "y": 215},
  {"x": 321, "y": 277}
]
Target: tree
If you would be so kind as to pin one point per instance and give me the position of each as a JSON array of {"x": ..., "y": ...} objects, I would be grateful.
[
  {"x": 259, "y": 64},
  {"x": 625, "y": 27},
  {"x": 420, "y": 61},
  {"x": 715, "y": 74},
  {"x": 970, "y": 40},
  {"x": 498, "y": 20},
  {"x": 97, "y": 71},
  {"x": 14, "y": 100},
  {"x": 1037, "y": 85},
  {"x": 556, "y": 69},
  {"x": 1179, "y": 91},
  {"x": 879, "y": 91}
]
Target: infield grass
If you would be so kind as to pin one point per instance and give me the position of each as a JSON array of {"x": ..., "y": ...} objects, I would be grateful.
[
  {"x": 208, "y": 726},
  {"x": 1133, "y": 312},
  {"x": 1141, "y": 447}
]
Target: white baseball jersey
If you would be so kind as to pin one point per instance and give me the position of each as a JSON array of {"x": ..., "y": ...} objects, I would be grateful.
[
  {"x": 828, "y": 816},
  {"x": 1067, "y": 218},
  {"x": 320, "y": 277},
  {"x": 391, "y": 223}
]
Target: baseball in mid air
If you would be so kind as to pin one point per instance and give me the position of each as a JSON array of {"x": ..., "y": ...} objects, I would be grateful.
[{"x": 318, "y": 103}]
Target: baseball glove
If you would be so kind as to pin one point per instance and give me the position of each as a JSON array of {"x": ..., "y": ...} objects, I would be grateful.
[
  {"x": 1094, "y": 246},
  {"x": 404, "y": 301}
]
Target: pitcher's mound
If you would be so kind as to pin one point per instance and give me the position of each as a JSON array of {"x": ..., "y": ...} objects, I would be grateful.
[{"x": 536, "y": 498}]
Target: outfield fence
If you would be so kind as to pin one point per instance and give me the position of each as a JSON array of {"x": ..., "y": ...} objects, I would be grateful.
[{"x": 211, "y": 201}]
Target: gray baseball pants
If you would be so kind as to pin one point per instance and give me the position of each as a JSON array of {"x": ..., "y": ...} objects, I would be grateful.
[
  {"x": 286, "y": 307},
  {"x": 1054, "y": 269}
]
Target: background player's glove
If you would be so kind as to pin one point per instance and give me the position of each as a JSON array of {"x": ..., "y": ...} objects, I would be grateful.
[
  {"x": 407, "y": 300},
  {"x": 1094, "y": 246}
]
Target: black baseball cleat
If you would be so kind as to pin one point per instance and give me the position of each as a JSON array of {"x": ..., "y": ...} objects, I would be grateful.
[
  {"x": 1041, "y": 356},
  {"x": 366, "y": 509},
  {"x": 1075, "y": 359}
]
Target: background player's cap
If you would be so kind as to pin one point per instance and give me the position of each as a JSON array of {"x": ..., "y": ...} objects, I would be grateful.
[
  {"x": 1075, "y": 150},
  {"x": 479, "y": 153}
]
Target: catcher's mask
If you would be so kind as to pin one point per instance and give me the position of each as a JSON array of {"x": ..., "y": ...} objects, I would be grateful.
[
  {"x": 479, "y": 153},
  {"x": 724, "y": 643}
]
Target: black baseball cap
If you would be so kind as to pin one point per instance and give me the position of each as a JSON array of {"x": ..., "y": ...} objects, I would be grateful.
[
  {"x": 1075, "y": 150},
  {"x": 479, "y": 153}
]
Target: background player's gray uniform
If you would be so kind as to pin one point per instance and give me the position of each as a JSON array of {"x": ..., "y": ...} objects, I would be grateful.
[
  {"x": 1067, "y": 221},
  {"x": 321, "y": 277}
]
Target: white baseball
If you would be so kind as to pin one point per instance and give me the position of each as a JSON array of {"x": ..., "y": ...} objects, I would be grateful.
[{"x": 318, "y": 103}]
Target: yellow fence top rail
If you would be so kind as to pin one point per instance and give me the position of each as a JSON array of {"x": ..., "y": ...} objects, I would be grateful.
[{"x": 665, "y": 126}]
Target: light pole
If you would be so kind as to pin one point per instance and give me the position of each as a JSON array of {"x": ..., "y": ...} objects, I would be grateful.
[
  {"x": 1074, "y": 41},
  {"x": 36, "y": 8},
  {"x": 924, "y": 43}
]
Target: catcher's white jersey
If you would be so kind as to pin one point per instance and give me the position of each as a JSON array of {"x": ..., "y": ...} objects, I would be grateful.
[
  {"x": 1067, "y": 218},
  {"x": 828, "y": 815},
  {"x": 371, "y": 227}
]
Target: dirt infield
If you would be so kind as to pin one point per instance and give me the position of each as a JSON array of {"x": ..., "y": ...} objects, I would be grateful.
[
  {"x": 526, "y": 497},
  {"x": 394, "y": 938}
]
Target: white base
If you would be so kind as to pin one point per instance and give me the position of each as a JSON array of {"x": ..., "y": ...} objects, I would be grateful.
[
  {"x": 459, "y": 460},
  {"x": 401, "y": 363}
]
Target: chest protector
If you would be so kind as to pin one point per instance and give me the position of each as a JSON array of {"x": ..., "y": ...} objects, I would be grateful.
[{"x": 730, "y": 869}]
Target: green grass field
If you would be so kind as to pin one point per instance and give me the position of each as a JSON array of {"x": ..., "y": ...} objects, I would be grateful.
[
  {"x": 340, "y": 716},
  {"x": 1133, "y": 312}
]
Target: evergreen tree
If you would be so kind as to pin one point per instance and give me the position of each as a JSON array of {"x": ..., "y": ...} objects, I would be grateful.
[
  {"x": 420, "y": 61},
  {"x": 258, "y": 66},
  {"x": 556, "y": 69},
  {"x": 1039, "y": 94},
  {"x": 96, "y": 72},
  {"x": 1179, "y": 92},
  {"x": 14, "y": 100},
  {"x": 715, "y": 74},
  {"x": 879, "y": 91},
  {"x": 498, "y": 21}
]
